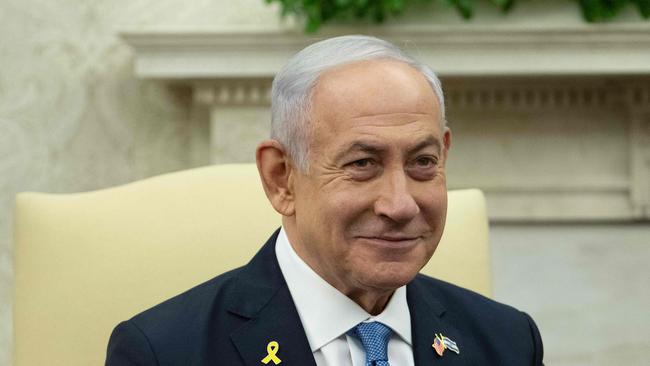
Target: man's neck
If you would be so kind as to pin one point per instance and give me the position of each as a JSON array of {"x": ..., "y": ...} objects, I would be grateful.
[{"x": 371, "y": 300}]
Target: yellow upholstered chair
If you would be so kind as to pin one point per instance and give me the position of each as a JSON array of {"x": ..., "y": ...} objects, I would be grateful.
[{"x": 85, "y": 261}]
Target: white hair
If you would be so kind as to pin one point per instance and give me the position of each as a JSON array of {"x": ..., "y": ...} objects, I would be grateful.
[{"x": 293, "y": 85}]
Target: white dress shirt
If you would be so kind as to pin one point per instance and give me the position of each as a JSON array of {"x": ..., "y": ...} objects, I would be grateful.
[{"x": 327, "y": 315}]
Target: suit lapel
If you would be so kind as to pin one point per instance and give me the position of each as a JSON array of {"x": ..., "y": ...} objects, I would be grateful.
[
  {"x": 263, "y": 297},
  {"x": 427, "y": 319}
]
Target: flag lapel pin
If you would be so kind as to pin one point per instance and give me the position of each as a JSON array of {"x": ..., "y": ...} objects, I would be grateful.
[
  {"x": 438, "y": 345},
  {"x": 442, "y": 343}
]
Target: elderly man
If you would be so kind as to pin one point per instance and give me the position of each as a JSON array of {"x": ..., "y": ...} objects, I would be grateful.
[{"x": 356, "y": 166}]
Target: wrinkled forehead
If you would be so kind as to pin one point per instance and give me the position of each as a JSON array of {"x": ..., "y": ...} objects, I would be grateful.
[{"x": 372, "y": 88}]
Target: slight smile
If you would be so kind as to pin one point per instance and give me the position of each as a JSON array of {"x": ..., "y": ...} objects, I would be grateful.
[{"x": 391, "y": 242}]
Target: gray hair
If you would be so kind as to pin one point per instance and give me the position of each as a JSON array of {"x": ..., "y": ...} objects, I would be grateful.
[{"x": 293, "y": 85}]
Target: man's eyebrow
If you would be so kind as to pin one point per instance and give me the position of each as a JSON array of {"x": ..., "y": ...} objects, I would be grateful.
[
  {"x": 363, "y": 146},
  {"x": 374, "y": 148},
  {"x": 429, "y": 141}
]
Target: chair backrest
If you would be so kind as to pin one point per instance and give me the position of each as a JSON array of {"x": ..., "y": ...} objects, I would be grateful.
[{"x": 85, "y": 261}]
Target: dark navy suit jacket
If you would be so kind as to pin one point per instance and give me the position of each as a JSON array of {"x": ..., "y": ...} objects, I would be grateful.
[{"x": 231, "y": 319}]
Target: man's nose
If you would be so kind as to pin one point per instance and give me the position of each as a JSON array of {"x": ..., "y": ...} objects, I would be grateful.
[{"x": 395, "y": 201}]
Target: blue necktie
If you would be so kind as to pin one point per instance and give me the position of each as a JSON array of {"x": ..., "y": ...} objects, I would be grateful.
[{"x": 374, "y": 336}]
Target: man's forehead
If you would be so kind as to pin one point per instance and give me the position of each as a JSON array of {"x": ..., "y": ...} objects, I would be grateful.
[{"x": 374, "y": 87}]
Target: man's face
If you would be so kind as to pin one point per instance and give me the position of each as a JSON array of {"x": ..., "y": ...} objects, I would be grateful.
[{"x": 371, "y": 208}]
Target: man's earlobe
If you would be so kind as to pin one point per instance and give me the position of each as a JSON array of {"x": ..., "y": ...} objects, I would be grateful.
[{"x": 275, "y": 169}]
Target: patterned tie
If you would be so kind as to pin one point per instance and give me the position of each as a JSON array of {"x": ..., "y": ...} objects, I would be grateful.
[{"x": 374, "y": 336}]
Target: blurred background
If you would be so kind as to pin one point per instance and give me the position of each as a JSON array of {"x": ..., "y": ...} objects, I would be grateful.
[{"x": 550, "y": 117}]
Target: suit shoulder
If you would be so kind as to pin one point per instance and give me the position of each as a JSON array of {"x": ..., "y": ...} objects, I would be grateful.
[
  {"x": 174, "y": 331},
  {"x": 456, "y": 297},
  {"x": 473, "y": 309},
  {"x": 188, "y": 311},
  {"x": 129, "y": 346},
  {"x": 510, "y": 335}
]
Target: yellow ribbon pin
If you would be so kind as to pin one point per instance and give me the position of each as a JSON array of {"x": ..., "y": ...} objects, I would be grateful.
[{"x": 271, "y": 349}]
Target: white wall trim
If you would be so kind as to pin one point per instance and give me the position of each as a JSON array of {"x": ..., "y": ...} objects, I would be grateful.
[{"x": 452, "y": 50}]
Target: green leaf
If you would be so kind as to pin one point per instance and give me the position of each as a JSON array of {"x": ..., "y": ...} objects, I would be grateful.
[
  {"x": 315, "y": 13},
  {"x": 312, "y": 9},
  {"x": 601, "y": 10},
  {"x": 378, "y": 11},
  {"x": 504, "y": 5},
  {"x": 644, "y": 7},
  {"x": 464, "y": 7},
  {"x": 591, "y": 10},
  {"x": 312, "y": 25},
  {"x": 362, "y": 8},
  {"x": 362, "y": 3},
  {"x": 396, "y": 6}
]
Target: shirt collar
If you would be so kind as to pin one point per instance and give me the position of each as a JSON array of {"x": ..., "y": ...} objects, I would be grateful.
[{"x": 325, "y": 312}]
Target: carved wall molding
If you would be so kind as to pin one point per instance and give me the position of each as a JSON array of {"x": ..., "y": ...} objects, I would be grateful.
[
  {"x": 527, "y": 97},
  {"x": 233, "y": 92},
  {"x": 638, "y": 95},
  {"x": 515, "y": 95}
]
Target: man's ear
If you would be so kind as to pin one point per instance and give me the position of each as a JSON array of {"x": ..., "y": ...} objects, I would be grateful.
[
  {"x": 446, "y": 140},
  {"x": 276, "y": 169}
]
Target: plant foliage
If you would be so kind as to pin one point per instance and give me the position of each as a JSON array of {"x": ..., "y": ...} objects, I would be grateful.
[{"x": 318, "y": 12}]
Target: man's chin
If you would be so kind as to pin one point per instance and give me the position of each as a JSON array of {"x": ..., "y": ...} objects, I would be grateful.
[{"x": 390, "y": 280}]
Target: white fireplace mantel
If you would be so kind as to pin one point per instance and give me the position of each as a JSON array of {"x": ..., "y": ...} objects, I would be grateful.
[
  {"x": 552, "y": 123},
  {"x": 452, "y": 50}
]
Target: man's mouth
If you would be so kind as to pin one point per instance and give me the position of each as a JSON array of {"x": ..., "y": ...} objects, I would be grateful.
[{"x": 391, "y": 241}]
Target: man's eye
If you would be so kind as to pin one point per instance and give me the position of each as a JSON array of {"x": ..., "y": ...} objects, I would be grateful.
[
  {"x": 426, "y": 162},
  {"x": 362, "y": 163}
]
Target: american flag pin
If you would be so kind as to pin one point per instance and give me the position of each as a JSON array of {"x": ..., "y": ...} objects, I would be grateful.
[{"x": 442, "y": 343}]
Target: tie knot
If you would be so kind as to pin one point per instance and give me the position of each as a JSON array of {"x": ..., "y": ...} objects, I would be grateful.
[{"x": 374, "y": 336}]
